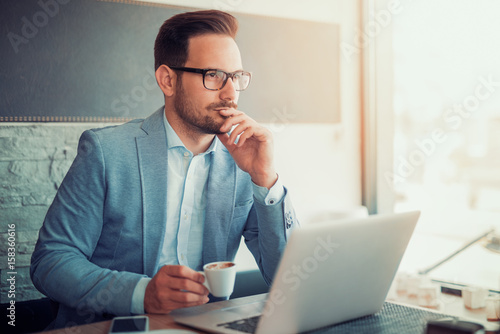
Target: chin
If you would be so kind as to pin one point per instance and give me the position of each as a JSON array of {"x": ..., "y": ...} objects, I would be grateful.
[
  {"x": 212, "y": 129},
  {"x": 212, "y": 126}
]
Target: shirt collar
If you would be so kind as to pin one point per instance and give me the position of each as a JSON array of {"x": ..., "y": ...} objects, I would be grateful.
[{"x": 173, "y": 139}]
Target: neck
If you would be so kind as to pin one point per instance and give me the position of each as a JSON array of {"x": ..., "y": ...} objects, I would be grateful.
[{"x": 194, "y": 140}]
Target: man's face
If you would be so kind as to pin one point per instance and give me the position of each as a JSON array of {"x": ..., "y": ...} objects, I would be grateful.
[{"x": 197, "y": 106}]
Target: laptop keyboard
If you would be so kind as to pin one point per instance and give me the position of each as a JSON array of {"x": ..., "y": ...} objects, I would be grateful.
[
  {"x": 247, "y": 325},
  {"x": 392, "y": 319}
]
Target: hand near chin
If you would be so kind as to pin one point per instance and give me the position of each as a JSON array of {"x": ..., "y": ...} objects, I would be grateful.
[
  {"x": 174, "y": 287},
  {"x": 254, "y": 151}
]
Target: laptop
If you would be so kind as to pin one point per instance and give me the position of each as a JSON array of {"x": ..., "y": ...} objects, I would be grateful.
[{"x": 330, "y": 272}]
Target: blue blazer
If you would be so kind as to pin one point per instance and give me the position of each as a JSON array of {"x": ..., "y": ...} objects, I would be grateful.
[{"x": 105, "y": 228}]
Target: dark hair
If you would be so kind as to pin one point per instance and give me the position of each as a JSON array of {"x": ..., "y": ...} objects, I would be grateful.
[{"x": 172, "y": 42}]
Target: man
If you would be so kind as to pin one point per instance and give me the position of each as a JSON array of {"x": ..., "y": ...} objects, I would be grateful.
[{"x": 147, "y": 203}]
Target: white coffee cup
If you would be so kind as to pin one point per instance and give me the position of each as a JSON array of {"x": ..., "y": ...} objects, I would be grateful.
[
  {"x": 219, "y": 277},
  {"x": 428, "y": 295},
  {"x": 474, "y": 297},
  {"x": 493, "y": 308}
]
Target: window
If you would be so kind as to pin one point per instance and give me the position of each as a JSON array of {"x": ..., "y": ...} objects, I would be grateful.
[{"x": 446, "y": 135}]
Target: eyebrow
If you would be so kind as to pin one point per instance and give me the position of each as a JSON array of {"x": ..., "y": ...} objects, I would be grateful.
[{"x": 217, "y": 68}]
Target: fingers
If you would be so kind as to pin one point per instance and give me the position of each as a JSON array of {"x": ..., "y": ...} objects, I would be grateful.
[
  {"x": 183, "y": 297},
  {"x": 243, "y": 126},
  {"x": 183, "y": 272},
  {"x": 248, "y": 132},
  {"x": 183, "y": 278},
  {"x": 168, "y": 295},
  {"x": 238, "y": 131},
  {"x": 230, "y": 112},
  {"x": 174, "y": 287},
  {"x": 230, "y": 122},
  {"x": 169, "y": 300},
  {"x": 183, "y": 284}
]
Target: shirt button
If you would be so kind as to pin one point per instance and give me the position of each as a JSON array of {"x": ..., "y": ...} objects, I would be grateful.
[
  {"x": 271, "y": 201},
  {"x": 186, "y": 154}
]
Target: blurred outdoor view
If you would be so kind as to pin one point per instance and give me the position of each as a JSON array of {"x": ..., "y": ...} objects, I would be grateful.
[{"x": 447, "y": 134}]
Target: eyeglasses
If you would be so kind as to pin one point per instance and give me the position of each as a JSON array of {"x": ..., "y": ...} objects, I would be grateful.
[{"x": 214, "y": 79}]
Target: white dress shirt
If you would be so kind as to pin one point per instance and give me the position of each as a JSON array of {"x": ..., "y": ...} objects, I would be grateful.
[{"x": 187, "y": 177}]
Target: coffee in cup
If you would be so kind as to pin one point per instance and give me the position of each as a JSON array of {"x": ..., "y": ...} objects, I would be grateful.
[{"x": 219, "y": 277}]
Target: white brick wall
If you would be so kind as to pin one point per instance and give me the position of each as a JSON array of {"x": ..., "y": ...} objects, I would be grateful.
[{"x": 34, "y": 159}]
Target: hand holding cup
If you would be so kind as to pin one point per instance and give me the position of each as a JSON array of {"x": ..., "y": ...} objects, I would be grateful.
[{"x": 220, "y": 277}]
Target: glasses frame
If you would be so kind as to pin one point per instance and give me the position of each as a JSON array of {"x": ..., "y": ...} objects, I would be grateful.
[{"x": 204, "y": 71}]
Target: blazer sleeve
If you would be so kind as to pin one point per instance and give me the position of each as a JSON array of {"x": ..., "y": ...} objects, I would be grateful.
[
  {"x": 267, "y": 230},
  {"x": 61, "y": 266}
]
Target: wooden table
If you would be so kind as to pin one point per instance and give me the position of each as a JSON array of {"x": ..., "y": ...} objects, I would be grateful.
[
  {"x": 156, "y": 321},
  {"x": 451, "y": 305}
]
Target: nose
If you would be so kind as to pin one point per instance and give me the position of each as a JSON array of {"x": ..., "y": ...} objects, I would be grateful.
[{"x": 229, "y": 92}]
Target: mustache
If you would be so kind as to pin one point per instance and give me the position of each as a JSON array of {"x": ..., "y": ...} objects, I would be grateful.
[{"x": 222, "y": 104}]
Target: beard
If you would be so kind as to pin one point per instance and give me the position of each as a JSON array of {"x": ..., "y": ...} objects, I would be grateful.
[{"x": 207, "y": 121}]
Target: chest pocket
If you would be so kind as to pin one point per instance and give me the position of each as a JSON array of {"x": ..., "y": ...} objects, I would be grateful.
[{"x": 241, "y": 211}]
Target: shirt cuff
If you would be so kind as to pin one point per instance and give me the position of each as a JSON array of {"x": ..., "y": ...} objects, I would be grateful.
[
  {"x": 138, "y": 296},
  {"x": 269, "y": 196}
]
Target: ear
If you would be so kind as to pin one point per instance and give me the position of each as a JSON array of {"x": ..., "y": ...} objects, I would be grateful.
[{"x": 166, "y": 78}]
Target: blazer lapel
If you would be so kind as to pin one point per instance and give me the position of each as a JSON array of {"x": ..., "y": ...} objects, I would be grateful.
[
  {"x": 152, "y": 157},
  {"x": 220, "y": 203}
]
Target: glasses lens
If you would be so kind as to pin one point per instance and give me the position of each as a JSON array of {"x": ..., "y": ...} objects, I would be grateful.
[
  {"x": 214, "y": 79},
  {"x": 241, "y": 80}
]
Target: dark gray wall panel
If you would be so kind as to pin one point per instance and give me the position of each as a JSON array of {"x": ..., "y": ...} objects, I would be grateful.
[{"x": 88, "y": 60}]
